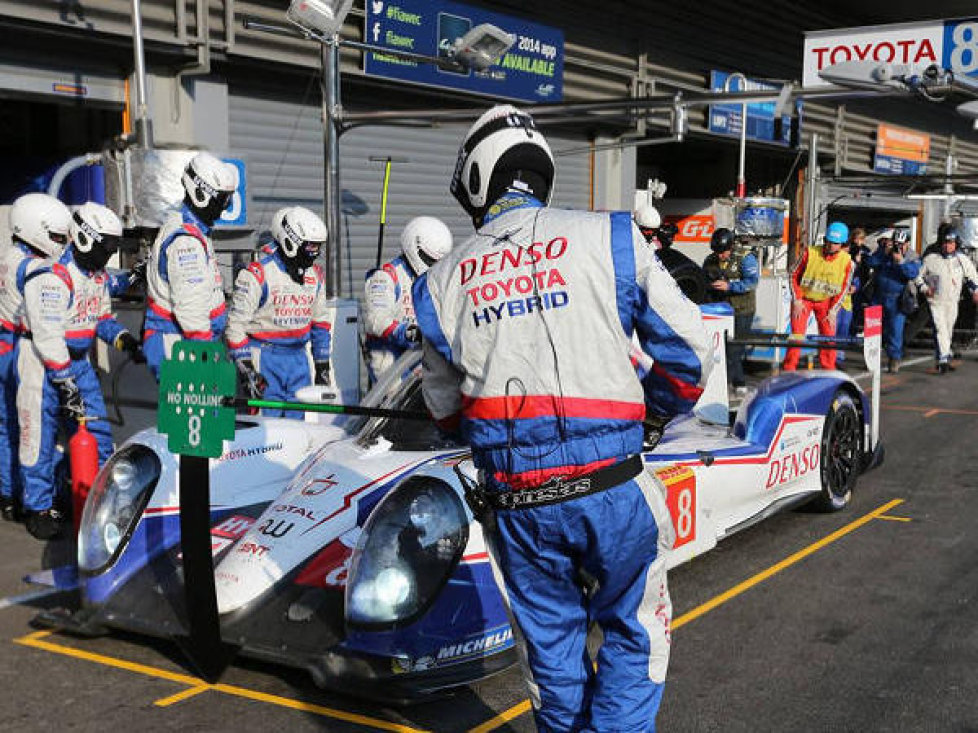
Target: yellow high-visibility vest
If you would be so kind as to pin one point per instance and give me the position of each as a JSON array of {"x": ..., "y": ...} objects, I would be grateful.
[{"x": 823, "y": 278}]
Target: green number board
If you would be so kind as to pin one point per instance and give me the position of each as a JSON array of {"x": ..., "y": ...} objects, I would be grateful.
[{"x": 193, "y": 384}]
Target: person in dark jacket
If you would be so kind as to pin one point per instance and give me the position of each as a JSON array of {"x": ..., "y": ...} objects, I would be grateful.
[
  {"x": 894, "y": 265},
  {"x": 732, "y": 272}
]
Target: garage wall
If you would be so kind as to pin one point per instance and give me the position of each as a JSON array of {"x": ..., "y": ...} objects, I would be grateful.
[{"x": 281, "y": 138}]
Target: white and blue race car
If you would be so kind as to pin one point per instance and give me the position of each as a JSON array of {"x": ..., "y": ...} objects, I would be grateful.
[{"x": 349, "y": 550}]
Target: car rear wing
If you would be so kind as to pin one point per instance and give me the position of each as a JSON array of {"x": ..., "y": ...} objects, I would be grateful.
[{"x": 870, "y": 345}]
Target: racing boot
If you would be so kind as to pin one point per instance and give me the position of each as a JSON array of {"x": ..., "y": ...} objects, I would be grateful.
[
  {"x": 48, "y": 524},
  {"x": 943, "y": 368},
  {"x": 8, "y": 509}
]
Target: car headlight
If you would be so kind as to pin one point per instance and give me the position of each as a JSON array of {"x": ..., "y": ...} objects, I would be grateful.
[
  {"x": 114, "y": 506},
  {"x": 408, "y": 549}
]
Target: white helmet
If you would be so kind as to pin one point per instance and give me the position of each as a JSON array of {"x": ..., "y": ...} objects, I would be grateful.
[
  {"x": 210, "y": 184},
  {"x": 647, "y": 217},
  {"x": 300, "y": 235},
  {"x": 40, "y": 221},
  {"x": 425, "y": 240},
  {"x": 95, "y": 235},
  {"x": 501, "y": 149}
]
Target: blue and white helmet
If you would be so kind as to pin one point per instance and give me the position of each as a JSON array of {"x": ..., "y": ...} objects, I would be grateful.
[
  {"x": 209, "y": 183},
  {"x": 40, "y": 221},
  {"x": 300, "y": 236},
  {"x": 424, "y": 241},
  {"x": 96, "y": 233},
  {"x": 502, "y": 147}
]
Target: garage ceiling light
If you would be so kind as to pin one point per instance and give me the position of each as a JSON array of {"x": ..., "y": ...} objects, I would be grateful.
[
  {"x": 482, "y": 46},
  {"x": 322, "y": 18},
  {"x": 871, "y": 75}
]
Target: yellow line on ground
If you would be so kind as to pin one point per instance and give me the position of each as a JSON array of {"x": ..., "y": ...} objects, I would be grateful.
[
  {"x": 166, "y": 702},
  {"x": 33, "y": 640},
  {"x": 198, "y": 685},
  {"x": 891, "y": 518},
  {"x": 287, "y": 702},
  {"x": 504, "y": 717},
  {"x": 927, "y": 410},
  {"x": 524, "y": 706},
  {"x": 778, "y": 567}
]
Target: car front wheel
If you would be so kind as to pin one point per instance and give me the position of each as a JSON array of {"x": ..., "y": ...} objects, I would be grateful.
[{"x": 841, "y": 453}]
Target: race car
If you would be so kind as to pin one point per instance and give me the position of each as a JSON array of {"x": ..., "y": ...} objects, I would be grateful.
[{"x": 349, "y": 550}]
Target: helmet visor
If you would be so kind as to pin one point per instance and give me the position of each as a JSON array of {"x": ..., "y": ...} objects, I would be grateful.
[
  {"x": 308, "y": 252},
  {"x": 426, "y": 258}
]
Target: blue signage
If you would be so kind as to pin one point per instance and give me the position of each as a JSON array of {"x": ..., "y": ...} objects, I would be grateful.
[
  {"x": 725, "y": 119},
  {"x": 960, "y": 52},
  {"x": 531, "y": 71},
  {"x": 236, "y": 215},
  {"x": 898, "y": 166}
]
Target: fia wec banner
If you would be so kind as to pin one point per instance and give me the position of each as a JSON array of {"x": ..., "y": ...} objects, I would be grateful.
[
  {"x": 531, "y": 71},
  {"x": 951, "y": 44},
  {"x": 900, "y": 151}
]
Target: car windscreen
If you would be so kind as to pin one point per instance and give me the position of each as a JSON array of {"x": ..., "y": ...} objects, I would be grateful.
[{"x": 403, "y": 433}]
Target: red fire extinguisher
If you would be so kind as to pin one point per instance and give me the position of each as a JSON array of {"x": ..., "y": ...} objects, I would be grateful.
[{"x": 83, "y": 455}]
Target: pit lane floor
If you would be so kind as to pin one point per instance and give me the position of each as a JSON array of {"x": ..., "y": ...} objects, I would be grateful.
[{"x": 858, "y": 621}]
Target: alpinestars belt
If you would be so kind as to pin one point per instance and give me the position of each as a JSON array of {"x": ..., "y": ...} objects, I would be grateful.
[{"x": 557, "y": 489}]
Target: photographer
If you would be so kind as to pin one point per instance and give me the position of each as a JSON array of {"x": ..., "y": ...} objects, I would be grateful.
[{"x": 895, "y": 265}]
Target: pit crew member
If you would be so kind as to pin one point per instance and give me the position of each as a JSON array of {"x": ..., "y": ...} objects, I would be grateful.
[
  {"x": 388, "y": 317},
  {"x": 278, "y": 307},
  {"x": 526, "y": 337},
  {"x": 66, "y": 305},
  {"x": 39, "y": 228},
  {"x": 819, "y": 282},
  {"x": 650, "y": 223},
  {"x": 943, "y": 276},
  {"x": 184, "y": 295}
]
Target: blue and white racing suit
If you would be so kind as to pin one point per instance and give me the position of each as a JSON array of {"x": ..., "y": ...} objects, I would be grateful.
[
  {"x": 65, "y": 308},
  {"x": 388, "y": 311},
  {"x": 527, "y": 328},
  {"x": 184, "y": 295},
  {"x": 272, "y": 319},
  {"x": 12, "y": 258}
]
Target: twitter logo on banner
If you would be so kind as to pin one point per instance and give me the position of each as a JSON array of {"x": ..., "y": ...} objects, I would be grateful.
[{"x": 377, "y": 6}]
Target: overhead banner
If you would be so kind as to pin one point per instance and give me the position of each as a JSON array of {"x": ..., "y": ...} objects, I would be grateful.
[
  {"x": 532, "y": 70},
  {"x": 725, "y": 119},
  {"x": 901, "y": 151},
  {"x": 951, "y": 44}
]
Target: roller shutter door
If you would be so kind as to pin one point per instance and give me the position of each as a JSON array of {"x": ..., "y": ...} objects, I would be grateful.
[{"x": 281, "y": 139}]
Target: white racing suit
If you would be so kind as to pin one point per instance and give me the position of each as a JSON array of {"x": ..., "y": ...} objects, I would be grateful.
[
  {"x": 65, "y": 308},
  {"x": 388, "y": 311},
  {"x": 527, "y": 328},
  {"x": 272, "y": 320},
  {"x": 944, "y": 276},
  {"x": 184, "y": 296},
  {"x": 13, "y": 257}
]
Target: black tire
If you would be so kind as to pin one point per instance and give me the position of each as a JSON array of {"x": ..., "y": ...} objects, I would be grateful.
[
  {"x": 842, "y": 453},
  {"x": 688, "y": 275}
]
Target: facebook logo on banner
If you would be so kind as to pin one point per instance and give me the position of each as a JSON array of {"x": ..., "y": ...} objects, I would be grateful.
[{"x": 236, "y": 215}]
